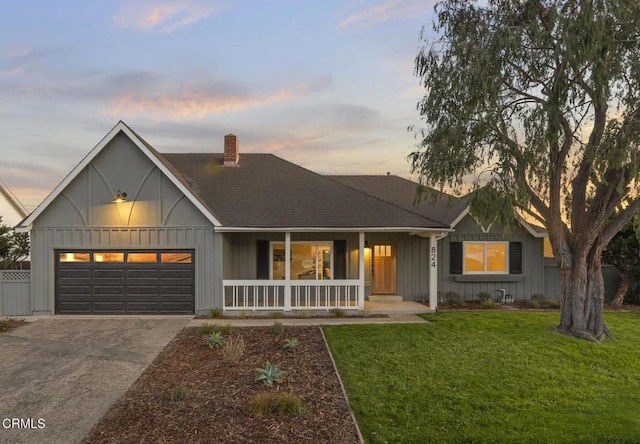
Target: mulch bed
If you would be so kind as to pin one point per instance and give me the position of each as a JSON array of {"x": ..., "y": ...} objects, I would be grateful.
[{"x": 217, "y": 408}]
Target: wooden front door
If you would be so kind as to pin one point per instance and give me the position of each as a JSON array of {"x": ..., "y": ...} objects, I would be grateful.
[{"x": 384, "y": 269}]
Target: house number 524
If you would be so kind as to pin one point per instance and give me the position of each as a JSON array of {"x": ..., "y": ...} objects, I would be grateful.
[{"x": 434, "y": 256}]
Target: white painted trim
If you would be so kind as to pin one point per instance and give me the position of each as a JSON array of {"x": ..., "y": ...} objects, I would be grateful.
[
  {"x": 361, "y": 270},
  {"x": 120, "y": 126},
  {"x": 433, "y": 272},
  {"x": 464, "y": 268},
  {"x": 521, "y": 221},
  {"x": 13, "y": 201},
  {"x": 410, "y": 230},
  {"x": 287, "y": 270},
  {"x": 461, "y": 216}
]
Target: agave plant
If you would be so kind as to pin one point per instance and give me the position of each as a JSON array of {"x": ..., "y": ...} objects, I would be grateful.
[
  {"x": 269, "y": 374},
  {"x": 216, "y": 340}
]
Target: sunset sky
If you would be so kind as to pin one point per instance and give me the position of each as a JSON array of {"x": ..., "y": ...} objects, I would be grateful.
[{"x": 326, "y": 84}]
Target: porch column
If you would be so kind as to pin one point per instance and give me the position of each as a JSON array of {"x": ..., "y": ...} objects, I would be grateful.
[
  {"x": 361, "y": 270},
  {"x": 287, "y": 271},
  {"x": 433, "y": 272}
]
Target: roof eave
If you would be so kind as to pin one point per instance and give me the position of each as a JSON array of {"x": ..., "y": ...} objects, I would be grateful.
[{"x": 410, "y": 230}]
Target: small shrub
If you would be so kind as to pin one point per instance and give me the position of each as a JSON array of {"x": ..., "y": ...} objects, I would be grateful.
[
  {"x": 532, "y": 303},
  {"x": 277, "y": 403},
  {"x": 207, "y": 329},
  {"x": 269, "y": 374},
  {"x": 243, "y": 314},
  {"x": 483, "y": 296},
  {"x": 488, "y": 304},
  {"x": 179, "y": 394},
  {"x": 538, "y": 297},
  {"x": 553, "y": 304},
  {"x": 366, "y": 312},
  {"x": 277, "y": 328},
  {"x": 338, "y": 312},
  {"x": 10, "y": 324},
  {"x": 452, "y": 298},
  {"x": 291, "y": 345},
  {"x": 216, "y": 340},
  {"x": 215, "y": 313},
  {"x": 233, "y": 349},
  {"x": 275, "y": 315},
  {"x": 304, "y": 313}
]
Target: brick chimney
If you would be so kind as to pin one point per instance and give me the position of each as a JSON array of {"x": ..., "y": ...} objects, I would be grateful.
[{"x": 231, "y": 151}]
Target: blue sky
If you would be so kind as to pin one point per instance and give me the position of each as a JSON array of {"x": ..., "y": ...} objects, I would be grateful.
[{"x": 326, "y": 84}]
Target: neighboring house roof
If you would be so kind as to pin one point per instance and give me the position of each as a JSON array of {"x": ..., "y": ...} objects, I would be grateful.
[
  {"x": 11, "y": 210},
  {"x": 402, "y": 192},
  {"x": 264, "y": 191}
]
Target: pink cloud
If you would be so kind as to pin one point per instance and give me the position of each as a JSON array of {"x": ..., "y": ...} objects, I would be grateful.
[
  {"x": 200, "y": 103},
  {"x": 190, "y": 104},
  {"x": 165, "y": 16},
  {"x": 387, "y": 11}
]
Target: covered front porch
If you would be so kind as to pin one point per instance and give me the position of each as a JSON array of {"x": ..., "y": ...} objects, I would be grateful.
[{"x": 305, "y": 270}]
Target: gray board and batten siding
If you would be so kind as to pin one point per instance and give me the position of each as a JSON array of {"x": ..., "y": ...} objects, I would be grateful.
[
  {"x": 240, "y": 252},
  {"x": 156, "y": 216},
  {"x": 520, "y": 285}
]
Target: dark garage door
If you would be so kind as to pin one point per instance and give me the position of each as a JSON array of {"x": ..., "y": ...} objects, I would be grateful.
[{"x": 125, "y": 282}]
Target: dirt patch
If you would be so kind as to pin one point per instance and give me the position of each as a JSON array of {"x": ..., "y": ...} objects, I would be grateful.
[{"x": 219, "y": 394}]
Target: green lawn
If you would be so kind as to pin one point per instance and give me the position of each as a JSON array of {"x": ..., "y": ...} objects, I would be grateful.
[{"x": 474, "y": 377}]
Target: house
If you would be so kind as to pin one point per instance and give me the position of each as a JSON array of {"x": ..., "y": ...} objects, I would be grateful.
[
  {"x": 130, "y": 230},
  {"x": 11, "y": 210}
]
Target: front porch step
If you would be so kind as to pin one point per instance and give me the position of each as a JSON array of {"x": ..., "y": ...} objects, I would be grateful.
[{"x": 380, "y": 298}]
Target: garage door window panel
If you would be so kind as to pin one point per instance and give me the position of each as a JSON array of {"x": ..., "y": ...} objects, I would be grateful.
[
  {"x": 181, "y": 258},
  {"x": 147, "y": 258},
  {"x": 75, "y": 256}
]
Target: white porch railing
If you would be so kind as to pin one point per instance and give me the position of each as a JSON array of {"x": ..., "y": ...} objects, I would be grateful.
[{"x": 295, "y": 295}]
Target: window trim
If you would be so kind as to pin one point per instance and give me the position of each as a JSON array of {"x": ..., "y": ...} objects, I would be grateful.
[
  {"x": 485, "y": 272},
  {"x": 315, "y": 243}
]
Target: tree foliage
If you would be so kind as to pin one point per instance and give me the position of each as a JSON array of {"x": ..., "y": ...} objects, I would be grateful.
[
  {"x": 539, "y": 100},
  {"x": 623, "y": 252},
  {"x": 14, "y": 247}
]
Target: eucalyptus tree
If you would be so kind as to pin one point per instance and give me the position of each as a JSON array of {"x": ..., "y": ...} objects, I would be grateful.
[{"x": 538, "y": 102}]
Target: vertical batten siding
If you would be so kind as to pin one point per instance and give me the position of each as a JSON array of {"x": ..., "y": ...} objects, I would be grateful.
[
  {"x": 239, "y": 251},
  {"x": 530, "y": 282},
  {"x": 412, "y": 263},
  {"x": 44, "y": 242}
]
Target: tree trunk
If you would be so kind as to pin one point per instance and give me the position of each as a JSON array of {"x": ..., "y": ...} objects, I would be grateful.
[
  {"x": 625, "y": 283},
  {"x": 582, "y": 298}
]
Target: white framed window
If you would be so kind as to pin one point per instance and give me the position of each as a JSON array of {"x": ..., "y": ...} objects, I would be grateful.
[
  {"x": 485, "y": 257},
  {"x": 309, "y": 260}
]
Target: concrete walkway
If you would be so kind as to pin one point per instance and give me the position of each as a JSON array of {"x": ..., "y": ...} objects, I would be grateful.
[
  {"x": 59, "y": 376},
  {"x": 396, "y": 313}
]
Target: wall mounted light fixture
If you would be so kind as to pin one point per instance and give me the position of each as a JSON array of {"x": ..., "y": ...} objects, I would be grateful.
[{"x": 120, "y": 197}]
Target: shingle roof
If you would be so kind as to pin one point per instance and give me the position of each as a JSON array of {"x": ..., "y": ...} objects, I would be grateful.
[
  {"x": 269, "y": 192},
  {"x": 402, "y": 192}
]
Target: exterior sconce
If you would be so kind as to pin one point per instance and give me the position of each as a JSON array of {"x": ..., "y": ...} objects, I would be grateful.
[{"x": 120, "y": 197}]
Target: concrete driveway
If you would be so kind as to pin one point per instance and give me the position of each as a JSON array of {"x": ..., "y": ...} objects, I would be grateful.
[{"x": 59, "y": 376}]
